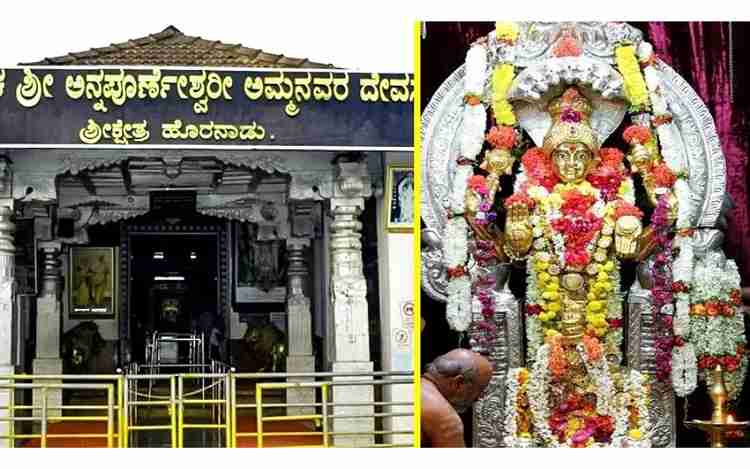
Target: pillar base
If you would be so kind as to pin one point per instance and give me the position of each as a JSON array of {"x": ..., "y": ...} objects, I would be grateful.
[
  {"x": 300, "y": 364},
  {"x": 363, "y": 394},
  {"x": 48, "y": 366}
]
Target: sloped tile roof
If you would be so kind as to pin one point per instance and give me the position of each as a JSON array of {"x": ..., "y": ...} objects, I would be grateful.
[{"x": 172, "y": 47}]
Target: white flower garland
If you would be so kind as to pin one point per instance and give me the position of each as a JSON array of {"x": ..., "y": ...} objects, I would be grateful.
[
  {"x": 605, "y": 389},
  {"x": 684, "y": 370},
  {"x": 456, "y": 237},
  {"x": 455, "y": 254},
  {"x": 665, "y": 132},
  {"x": 460, "y": 185},
  {"x": 458, "y": 309},
  {"x": 472, "y": 138},
  {"x": 534, "y": 329},
  {"x": 475, "y": 69},
  {"x": 717, "y": 335},
  {"x": 455, "y": 242}
]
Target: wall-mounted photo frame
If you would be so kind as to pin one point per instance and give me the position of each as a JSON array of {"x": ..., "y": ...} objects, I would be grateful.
[
  {"x": 400, "y": 198},
  {"x": 92, "y": 292},
  {"x": 27, "y": 249}
]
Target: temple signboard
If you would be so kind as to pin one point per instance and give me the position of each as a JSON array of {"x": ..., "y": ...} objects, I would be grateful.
[{"x": 48, "y": 107}]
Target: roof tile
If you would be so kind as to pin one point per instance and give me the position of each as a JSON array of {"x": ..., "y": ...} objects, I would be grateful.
[{"x": 172, "y": 47}]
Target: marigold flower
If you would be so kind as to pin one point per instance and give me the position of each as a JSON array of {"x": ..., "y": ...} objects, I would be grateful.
[
  {"x": 626, "y": 209},
  {"x": 539, "y": 168},
  {"x": 502, "y": 137},
  {"x": 477, "y": 182},
  {"x": 635, "y": 134},
  {"x": 611, "y": 157},
  {"x": 593, "y": 348},
  {"x": 663, "y": 176},
  {"x": 557, "y": 362}
]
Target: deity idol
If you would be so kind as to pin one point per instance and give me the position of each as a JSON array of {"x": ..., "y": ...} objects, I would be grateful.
[{"x": 573, "y": 217}]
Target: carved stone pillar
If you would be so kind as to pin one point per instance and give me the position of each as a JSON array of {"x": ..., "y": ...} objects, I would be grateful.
[
  {"x": 299, "y": 327},
  {"x": 348, "y": 301},
  {"x": 7, "y": 261},
  {"x": 49, "y": 321}
]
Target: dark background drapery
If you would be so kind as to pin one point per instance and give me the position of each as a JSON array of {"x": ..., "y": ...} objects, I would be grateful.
[{"x": 709, "y": 57}]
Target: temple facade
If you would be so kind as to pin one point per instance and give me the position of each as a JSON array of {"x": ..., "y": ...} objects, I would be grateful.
[{"x": 280, "y": 260}]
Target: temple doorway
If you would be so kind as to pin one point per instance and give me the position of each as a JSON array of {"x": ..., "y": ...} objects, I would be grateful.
[
  {"x": 174, "y": 281},
  {"x": 174, "y": 290}
]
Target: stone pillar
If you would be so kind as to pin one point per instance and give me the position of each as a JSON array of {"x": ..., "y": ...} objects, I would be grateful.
[
  {"x": 299, "y": 326},
  {"x": 49, "y": 320},
  {"x": 7, "y": 262},
  {"x": 348, "y": 301}
]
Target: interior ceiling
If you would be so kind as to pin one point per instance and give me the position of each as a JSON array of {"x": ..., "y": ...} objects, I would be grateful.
[{"x": 142, "y": 175}]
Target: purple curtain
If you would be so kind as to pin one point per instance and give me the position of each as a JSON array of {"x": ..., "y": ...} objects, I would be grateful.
[{"x": 701, "y": 53}]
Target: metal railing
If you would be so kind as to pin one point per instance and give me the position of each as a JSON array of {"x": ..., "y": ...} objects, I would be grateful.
[
  {"x": 39, "y": 415},
  {"x": 227, "y": 404},
  {"x": 324, "y": 410}
]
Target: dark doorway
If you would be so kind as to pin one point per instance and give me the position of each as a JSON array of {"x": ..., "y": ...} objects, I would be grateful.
[{"x": 174, "y": 286}]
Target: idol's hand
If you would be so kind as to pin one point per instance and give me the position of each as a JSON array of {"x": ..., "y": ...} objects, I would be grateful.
[
  {"x": 518, "y": 230},
  {"x": 627, "y": 231}
]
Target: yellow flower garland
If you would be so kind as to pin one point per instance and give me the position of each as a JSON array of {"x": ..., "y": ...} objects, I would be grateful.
[
  {"x": 601, "y": 286},
  {"x": 506, "y": 31},
  {"x": 502, "y": 77},
  {"x": 635, "y": 84}
]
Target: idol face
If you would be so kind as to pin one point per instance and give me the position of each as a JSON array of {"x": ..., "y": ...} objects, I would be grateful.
[{"x": 572, "y": 161}]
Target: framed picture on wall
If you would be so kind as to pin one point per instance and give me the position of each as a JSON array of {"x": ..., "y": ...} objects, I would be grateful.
[
  {"x": 92, "y": 287},
  {"x": 400, "y": 198}
]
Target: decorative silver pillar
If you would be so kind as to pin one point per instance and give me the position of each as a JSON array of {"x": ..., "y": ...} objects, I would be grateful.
[
  {"x": 299, "y": 326},
  {"x": 505, "y": 352},
  {"x": 7, "y": 262},
  {"x": 348, "y": 301},
  {"x": 48, "y": 323}
]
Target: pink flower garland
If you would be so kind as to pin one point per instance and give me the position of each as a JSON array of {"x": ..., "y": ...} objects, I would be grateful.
[
  {"x": 661, "y": 292},
  {"x": 485, "y": 256}
]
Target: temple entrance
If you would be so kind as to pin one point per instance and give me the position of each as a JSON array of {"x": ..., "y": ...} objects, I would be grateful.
[
  {"x": 174, "y": 290},
  {"x": 174, "y": 286}
]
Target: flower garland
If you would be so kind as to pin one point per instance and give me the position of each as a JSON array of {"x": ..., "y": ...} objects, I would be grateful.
[
  {"x": 475, "y": 188},
  {"x": 633, "y": 428},
  {"x": 455, "y": 257},
  {"x": 516, "y": 398},
  {"x": 484, "y": 293},
  {"x": 645, "y": 93},
  {"x": 661, "y": 292},
  {"x": 574, "y": 423},
  {"x": 716, "y": 327},
  {"x": 456, "y": 236},
  {"x": 574, "y": 225},
  {"x": 684, "y": 361}
]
